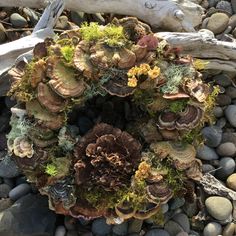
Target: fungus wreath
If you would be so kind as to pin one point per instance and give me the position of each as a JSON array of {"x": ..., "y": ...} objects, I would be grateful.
[{"x": 109, "y": 172}]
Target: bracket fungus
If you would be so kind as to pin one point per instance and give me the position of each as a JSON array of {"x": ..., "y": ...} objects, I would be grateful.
[{"x": 119, "y": 168}]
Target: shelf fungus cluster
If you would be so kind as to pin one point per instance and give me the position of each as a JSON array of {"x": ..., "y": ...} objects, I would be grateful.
[{"x": 109, "y": 171}]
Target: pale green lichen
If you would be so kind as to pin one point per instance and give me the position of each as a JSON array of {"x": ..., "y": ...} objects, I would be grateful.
[
  {"x": 51, "y": 170},
  {"x": 65, "y": 140},
  {"x": 175, "y": 75}
]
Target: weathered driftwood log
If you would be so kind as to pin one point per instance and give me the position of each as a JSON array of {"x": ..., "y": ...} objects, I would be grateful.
[
  {"x": 219, "y": 54},
  {"x": 9, "y": 52},
  {"x": 173, "y": 15},
  {"x": 214, "y": 187}
]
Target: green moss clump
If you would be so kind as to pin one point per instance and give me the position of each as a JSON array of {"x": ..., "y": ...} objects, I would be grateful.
[
  {"x": 58, "y": 167},
  {"x": 175, "y": 75},
  {"x": 22, "y": 89},
  {"x": 51, "y": 170},
  {"x": 68, "y": 53},
  {"x": 110, "y": 34},
  {"x": 178, "y": 105}
]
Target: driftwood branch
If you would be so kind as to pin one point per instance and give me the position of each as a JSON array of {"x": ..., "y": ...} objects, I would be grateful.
[
  {"x": 173, "y": 15},
  {"x": 220, "y": 55},
  {"x": 213, "y": 186},
  {"x": 9, "y": 52}
]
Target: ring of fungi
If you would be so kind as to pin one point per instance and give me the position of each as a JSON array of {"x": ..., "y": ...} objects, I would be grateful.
[{"x": 110, "y": 171}]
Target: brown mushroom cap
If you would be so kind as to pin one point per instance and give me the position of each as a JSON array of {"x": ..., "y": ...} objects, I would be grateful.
[
  {"x": 106, "y": 157},
  {"x": 63, "y": 80},
  {"x": 189, "y": 118},
  {"x": 117, "y": 86},
  {"x": 181, "y": 155},
  {"x": 46, "y": 119},
  {"x": 49, "y": 99},
  {"x": 166, "y": 120},
  {"x": 22, "y": 147}
]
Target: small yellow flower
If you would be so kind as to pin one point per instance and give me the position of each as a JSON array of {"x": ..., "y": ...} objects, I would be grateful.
[
  {"x": 200, "y": 64},
  {"x": 143, "y": 170},
  {"x": 132, "y": 82},
  {"x": 154, "y": 73},
  {"x": 133, "y": 71},
  {"x": 143, "y": 69}
]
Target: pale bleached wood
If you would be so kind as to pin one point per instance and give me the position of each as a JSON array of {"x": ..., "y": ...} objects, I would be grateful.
[
  {"x": 173, "y": 15},
  {"x": 9, "y": 52},
  {"x": 220, "y": 55}
]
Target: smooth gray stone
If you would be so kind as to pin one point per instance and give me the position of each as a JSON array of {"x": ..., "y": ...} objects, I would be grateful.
[
  {"x": 4, "y": 190},
  {"x": 100, "y": 227},
  {"x": 120, "y": 229},
  {"x": 19, "y": 191},
  {"x": 226, "y": 149},
  {"x": 230, "y": 113},
  {"x": 17, "y": 20},
  {"x": 219, "y": 208},
  {"x": 8, "y": 168},
  {"x": 183, "y": 221},
  {"x": 60, "y": 231},
  {"x": 173, "y": 228},
  {"x": 206, "y": 153},
  {"x": 231, "y": 91},
  {"x": 212, "y": 229},
  {"x": 157, "y": 232},
  {"x": 225, "y": 6},
  {"x": 227, "y": 165},
  {"x": 212, "y": 135},
  {"x": 218, "y": 112},
  {"x": 28, "y": 216},
  {"x": 135, "y": 226}
]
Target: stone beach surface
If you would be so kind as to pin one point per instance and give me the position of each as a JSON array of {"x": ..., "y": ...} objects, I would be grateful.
[{"x": 24, "y": 212}]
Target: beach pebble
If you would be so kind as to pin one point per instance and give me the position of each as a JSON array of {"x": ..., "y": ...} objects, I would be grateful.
[
  {"x": 212, "y": 229},
  {"x": 229, "y": 229},
  {"x": 60, "y": 231},
  {"x": 183, "y": 221},
  {"x": 212, "y": 136},
  {"x": 176, "y": 203},
  {"x": 157, "y": 232},
  {"x": 229, "y": 137},
  {"x": 173, "y": 228},
  {"x": 231, "y": 91},
  {"x": 62, "y": 23},
  {"x": 78, "y": 17},
  {"x": 218, "y": 22},
  {"x": 222, "y": 79},
  {"x": 8, "y": 168},
  {"x": 227, "y": 165},
  {"x": 19, "y": 191},
  {"x": 223, "y": 100},
  {"x": 18, "y": 21},
  {"x": 100, "y": 227},
  {"x": 32, "y": 15},
  {"x": 182, "y": 234},
  {"x": 233, "y": 3},
  {"x": 226, "y": 149},
  {"x": 232, "y": 21},
  {"x": 164, "y": 208},
  {"x": 74, "y": 233},
  {"x": 218, "y": 207},
  {"x": 225, "y": 6},
  {"x": 206, "y": 153},
  {"x": 28, "y": 216},
  {"x": 231, "y": 181},
  {"x": 120, "y": 229},
  {"x": 221, "y": 123},
  {"x": 135, "y": 226},
  {"x": 4, "y": 190},
  {"x": 218, "y": 112},
  {"x": 230, "y": 113},
  {"x": 208, "y": 168},
  {"x": 5, "y": 203},
  {"x": 69, "y": 222}
]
